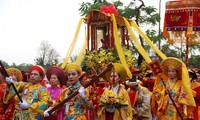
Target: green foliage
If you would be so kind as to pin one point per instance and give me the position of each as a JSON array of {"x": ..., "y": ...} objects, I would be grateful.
[
  {"x": 194, "y": 61},
  {"x": 170, "y": 51},
  {"x": 175, "y": 50},
  {"x": 151, "y": 35},
  {"x": 85, "y": 7},
  {"x": 5, "y": 64},
  {"x": 22, "y": 67},
  {"x": 149, "y": 16},
  {"x": 99, "y": 59}
]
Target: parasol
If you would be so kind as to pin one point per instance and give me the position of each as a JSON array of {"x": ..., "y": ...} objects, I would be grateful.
[{"x": 182, "y": 22}]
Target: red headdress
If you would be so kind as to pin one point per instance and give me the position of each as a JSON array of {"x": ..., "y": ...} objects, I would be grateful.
[
  {"x": 38, "y": 68},
  {"x": 54, "y": 70}
]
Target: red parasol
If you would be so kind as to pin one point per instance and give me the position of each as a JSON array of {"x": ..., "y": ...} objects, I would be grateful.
[{"x": 182, "y": 22}]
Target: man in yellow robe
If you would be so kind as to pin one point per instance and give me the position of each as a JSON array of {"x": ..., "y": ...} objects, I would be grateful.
[{"x": 34, "y": 96}]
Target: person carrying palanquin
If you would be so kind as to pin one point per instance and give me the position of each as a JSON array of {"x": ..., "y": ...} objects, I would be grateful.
[
  {"x": 114, "y": 103},
  {"x": 136, "y": 74},
  {"x": 140, "y": 100},
  {"x": 34, "y": 96},
  {"x": 75, "y": 108},
  {"x": 148, "y": 80}
]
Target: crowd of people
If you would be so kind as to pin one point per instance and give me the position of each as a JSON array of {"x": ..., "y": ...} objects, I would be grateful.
[{"x": 69, "y": 94}]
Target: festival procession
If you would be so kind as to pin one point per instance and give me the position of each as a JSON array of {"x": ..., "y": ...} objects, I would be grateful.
[{"x": 104, "y": 82}]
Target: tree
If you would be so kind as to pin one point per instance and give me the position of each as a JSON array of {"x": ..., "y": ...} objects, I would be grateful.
[
  {"x": 23, "y": 67},
  {"x": 177, "y": 50},
  {"x": 194, "y": 61},
  {"x": 47, "y": 55}
]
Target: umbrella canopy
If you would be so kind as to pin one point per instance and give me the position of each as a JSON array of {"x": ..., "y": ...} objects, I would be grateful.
[{"x": 182, "y": 21}]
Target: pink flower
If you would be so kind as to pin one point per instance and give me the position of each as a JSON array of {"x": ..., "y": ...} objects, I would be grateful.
[{"x": 183, "y": 94}]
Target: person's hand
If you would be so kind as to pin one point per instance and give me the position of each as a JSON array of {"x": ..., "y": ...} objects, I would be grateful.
[
  {"x": 139, "y": 111},
  {"x": 9, "y": 80},
  {"x": 23, "y": 104},
  {"x": 82, "y": 92},
  {"x": 167, "y": 91},
  {"x": 46, "y": 113}
]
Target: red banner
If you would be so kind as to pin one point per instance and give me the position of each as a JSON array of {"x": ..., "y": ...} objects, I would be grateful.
[{"x": 181, "y": 14}]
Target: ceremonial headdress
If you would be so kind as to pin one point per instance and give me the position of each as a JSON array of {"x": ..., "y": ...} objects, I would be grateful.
[
  {"x": 133, "y": 70},
  {"x": 133, "y": 83},
  {"x": 195, "y": 69},
  {"x": 148, "y": 73},
  {"x": 120, "y": 69},
  {"x": 15, "y": 72},
  {"x": 38, "y": 68},
  {"x": 55, "y": 70},
  {"x": 192, "y": 73},
  {"x": 73, "y": 66},
  {"x": 198, "y": 72},
  {"x": 174, "y": 63},
  {"x": 186, "y": 96}
]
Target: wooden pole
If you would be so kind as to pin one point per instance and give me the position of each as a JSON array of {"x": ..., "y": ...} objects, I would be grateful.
[
  {"x": 6, "y": 74},
  {"x": 186, "y": 53},
  {"x": 157, "y": 71},
  {"x": 170, "y": 96}
]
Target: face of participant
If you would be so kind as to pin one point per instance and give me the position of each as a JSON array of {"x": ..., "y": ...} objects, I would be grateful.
[
  {"x": 14, "y": 78},
  {"x": 172, "y": 73},
  {"x": 134, "y": 87},
  {"x": 73, "y": 77},
  {"x": 135, "y": 73},
  {"x": 114, "y": 78},
  {"x": 54, "y": 80},
  {"x": 83, "y": 81},
  {"x": 35, "y": 77},
  {"x": 152, "y": 77}
]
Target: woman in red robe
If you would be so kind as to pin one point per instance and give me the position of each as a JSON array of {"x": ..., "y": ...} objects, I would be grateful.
[{"x": 6, "y": 110}]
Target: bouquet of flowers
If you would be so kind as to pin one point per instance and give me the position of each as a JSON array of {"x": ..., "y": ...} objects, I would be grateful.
[{"x": 111, "y": 99}]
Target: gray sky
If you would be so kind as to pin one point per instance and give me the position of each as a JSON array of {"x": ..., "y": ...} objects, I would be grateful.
[{"x": 24, "y": 23}]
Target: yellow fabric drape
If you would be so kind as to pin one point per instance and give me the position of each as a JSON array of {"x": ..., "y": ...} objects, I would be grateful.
[
  {"x": 82, "y": 52},
  {"x": 71, "y": 47},
  {"x": 137, "y": 43},
  {"x": 119, "y": 47},
  {"x": 144, "y": 36},
  {"x": 186, "y": 88}
]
